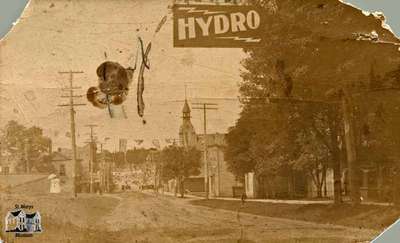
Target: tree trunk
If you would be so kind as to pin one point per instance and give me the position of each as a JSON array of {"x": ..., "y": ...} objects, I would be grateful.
[
  {"x": 324, "y": 181},
  {"x": 182, "y": 187},
  {"x": 291, "y": 184},
  {"x": 176, "y": 186},
  {"x": 336, "y": 156},
  {"x": 319, "y": 191},
  {"x": 317, "y": 182},
  {"x": 351, "y": 148}
]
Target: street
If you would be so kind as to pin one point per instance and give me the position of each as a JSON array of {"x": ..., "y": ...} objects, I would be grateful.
[{"x": 145, "y": 217}]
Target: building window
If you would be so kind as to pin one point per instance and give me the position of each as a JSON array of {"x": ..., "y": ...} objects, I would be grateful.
[
  {"x": 6, "y": 170},
  {"x": 62, "y": 170}
]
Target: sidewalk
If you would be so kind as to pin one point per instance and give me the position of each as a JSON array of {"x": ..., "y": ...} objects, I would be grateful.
[
  {"x": 281, "y": 201},
  {"x": 305, "y": 202}
]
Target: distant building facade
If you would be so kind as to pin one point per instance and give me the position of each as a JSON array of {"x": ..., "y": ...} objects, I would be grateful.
[
  {"x": 65, "y": 169},
  {"x": 222, "y": 182},
  {"x": 9, "y": 163}
]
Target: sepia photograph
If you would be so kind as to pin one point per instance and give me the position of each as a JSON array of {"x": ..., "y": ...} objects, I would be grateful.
[{"x": 243, "y": 121}]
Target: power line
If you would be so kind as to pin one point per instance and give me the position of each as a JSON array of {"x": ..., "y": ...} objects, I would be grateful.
[
  {"x": 71, "y": 106},
  {"x": 204, "y": 107}
]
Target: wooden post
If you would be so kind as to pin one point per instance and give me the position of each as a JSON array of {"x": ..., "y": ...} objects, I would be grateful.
[
  {"x": 204, "y": 107},
  {"x": 92, "y": 155},
  {"x": 347, "y": 108},
  {"x": 71, "y": 106},
  {"x": 334, "y": 118}
]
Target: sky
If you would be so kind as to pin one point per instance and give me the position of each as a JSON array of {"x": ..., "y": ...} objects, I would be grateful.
[
  {"x": 52, "y": 47},
  {"x": 10, "y": 10},
  {"x": 63, "y": 35}
]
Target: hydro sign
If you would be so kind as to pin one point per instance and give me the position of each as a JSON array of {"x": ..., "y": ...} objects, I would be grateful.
[{"x": 217, "y": 26}]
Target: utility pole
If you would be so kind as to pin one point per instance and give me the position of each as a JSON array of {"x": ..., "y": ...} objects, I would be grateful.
[
  {"x": 103, "y": 175},
  {"x": 92, "y": 155},
  {"x": 71, "y": 106},
  {"x": 27, "y": 155},
  {"x": 204, "y": 107},
  {"x": 103, "y": 168},
  {"x": 348, "y": 117}
]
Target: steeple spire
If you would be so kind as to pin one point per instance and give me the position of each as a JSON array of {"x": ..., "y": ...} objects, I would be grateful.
[
  {"x": 185, "y": 91},
  {"x": 186, "y": 109},
  {"x": 187, "y": 134}
]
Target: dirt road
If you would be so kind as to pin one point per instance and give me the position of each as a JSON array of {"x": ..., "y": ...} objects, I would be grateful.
[{"x": 138, "y": 217}]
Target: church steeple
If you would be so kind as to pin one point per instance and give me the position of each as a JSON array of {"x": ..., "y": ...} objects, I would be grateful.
[
  {"x": 186, "y": 111},
  {"x": 187, "y": 134}
]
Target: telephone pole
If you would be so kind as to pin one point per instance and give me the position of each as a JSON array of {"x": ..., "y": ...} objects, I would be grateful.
[
  {"x": 71, "y": 106},
  {"x": 92, "y": 150},
  {"x": 350, "y": 142},
  {"x": 103, "y": 168},
  {"x": 204, "y": 107},
  {"x": 27, "y": 148}
]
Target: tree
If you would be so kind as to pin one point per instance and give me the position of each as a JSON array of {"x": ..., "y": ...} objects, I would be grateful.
[
  {"x": 119, "y": 159},
  {"x": 304, "y": 55},
  {"x": 313, "y": 159},
  {"x": 271, "y": 137},
  {"x": 27, "y": 144},
  {"x": 136, "y": 157},
  {"x": 179, "y": 163}
]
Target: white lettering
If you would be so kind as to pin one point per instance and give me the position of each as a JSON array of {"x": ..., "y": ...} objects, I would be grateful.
[
  {"x": 237, "y": 22},
  {"x": 221, "y": 24},
  {"x": 253, "y": 19},
  {"x": 182, "y": 26},
  {"x": 204, "y": 25}
]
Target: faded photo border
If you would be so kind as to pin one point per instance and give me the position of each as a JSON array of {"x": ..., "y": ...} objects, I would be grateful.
[{"x": 11, "y": 10}]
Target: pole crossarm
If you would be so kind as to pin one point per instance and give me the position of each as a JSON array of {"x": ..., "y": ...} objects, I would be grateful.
[
  {"x": 204, "y": 103},
  {"x": 205, "y": 106},
  {"x": 73, "y": 88},
  {"x": 71, "y": 106},
  {"x": 74, "y": 96},
  {"x": 69, "y": 72}
]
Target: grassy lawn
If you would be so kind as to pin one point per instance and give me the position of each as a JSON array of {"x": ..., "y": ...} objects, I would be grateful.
[{"x": 362, "y": 216}]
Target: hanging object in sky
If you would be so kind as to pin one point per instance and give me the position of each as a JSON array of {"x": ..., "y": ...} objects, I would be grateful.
[
  {"x": 140, "y": 84},
  {"x": 160, "y": 25},
  {"x": 114, "y": 81},
  {"x": 145, "y": 65}
]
